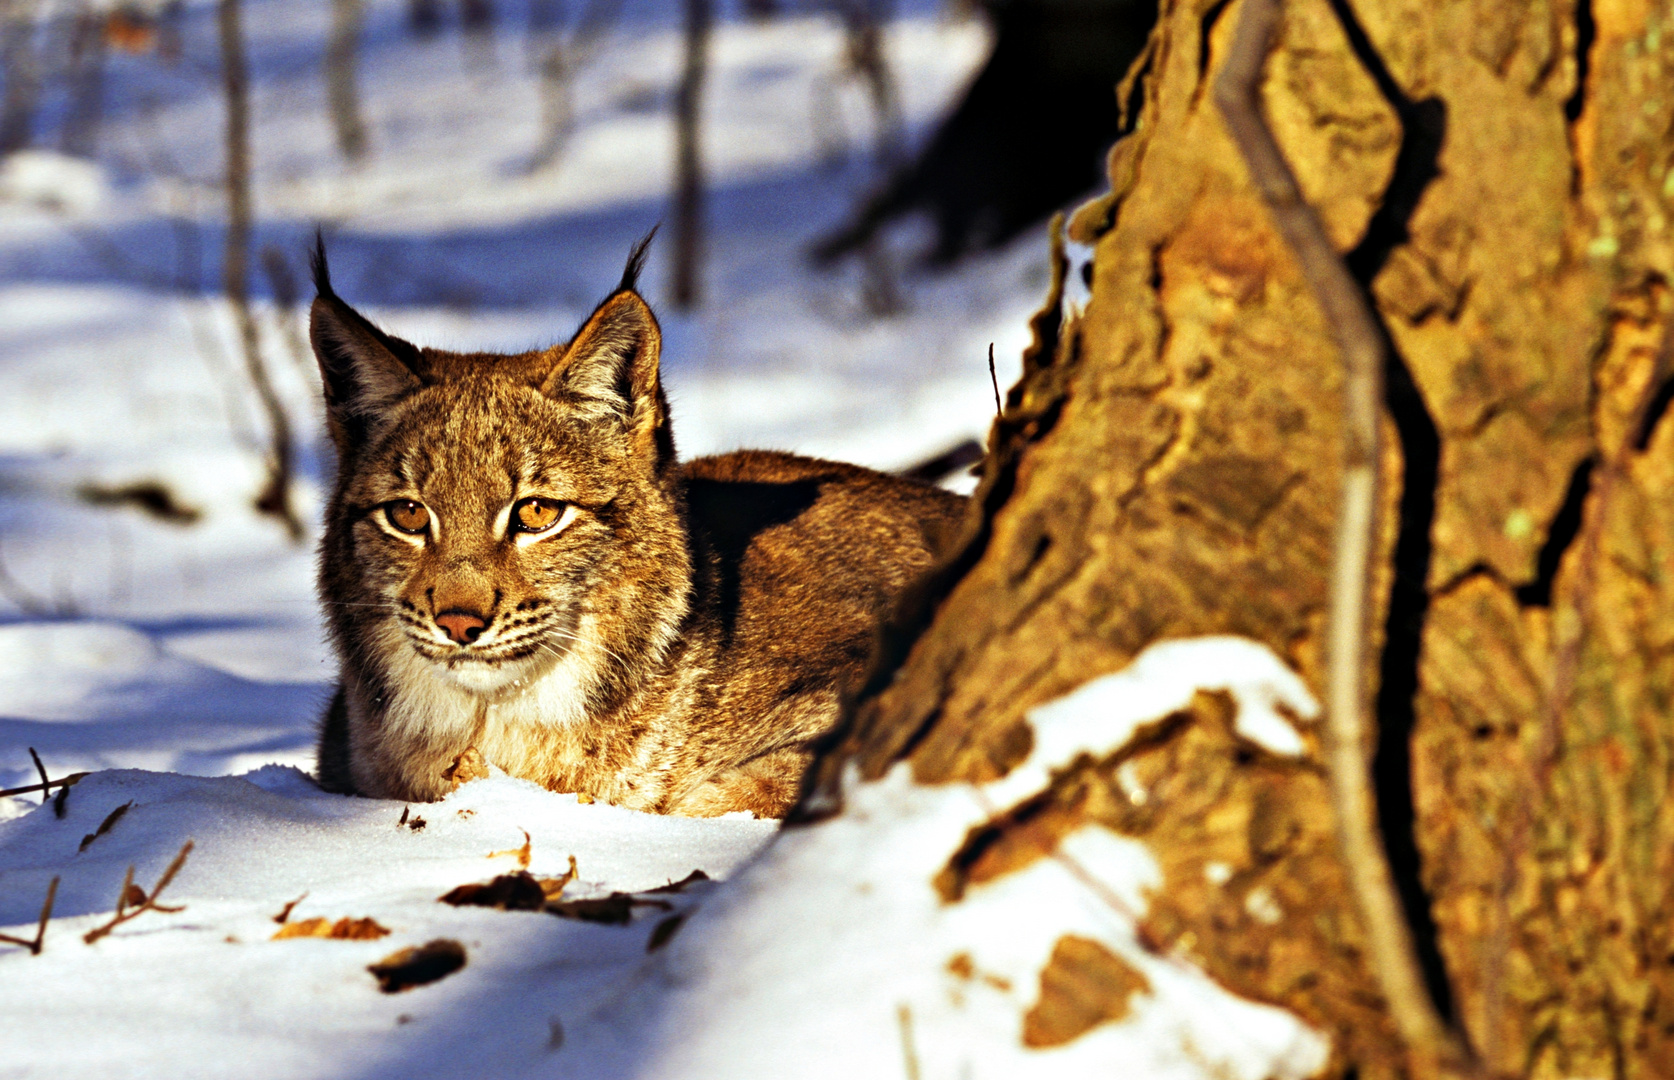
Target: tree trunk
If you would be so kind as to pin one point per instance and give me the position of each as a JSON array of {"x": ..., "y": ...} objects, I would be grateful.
[
  {"x": 341, "y": 58},
  {"x": 687, "y": 277},
  {"x": 20, "y": 62},
  {"x": 275, "y": 496},
  {"x": 85, "y": 75},
  {"x": 1027, "y": 135},
  {"x": 1497, "y": 177}
]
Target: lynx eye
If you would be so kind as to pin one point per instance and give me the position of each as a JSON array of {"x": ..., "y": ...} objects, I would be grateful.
[
  {"x": 536, "y": 515},
  {"x": 407, "y": 515}
]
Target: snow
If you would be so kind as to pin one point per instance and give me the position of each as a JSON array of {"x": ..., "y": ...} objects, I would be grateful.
[
  {"x": 52, "y": 181},
  {"x": 819, "y": 944},
  {"x": 184, "y": 666},
  {"x": 1101, "y": 715}
]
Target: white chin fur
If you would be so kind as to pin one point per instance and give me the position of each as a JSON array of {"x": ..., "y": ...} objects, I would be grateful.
[{"x": 481, "y": 678}]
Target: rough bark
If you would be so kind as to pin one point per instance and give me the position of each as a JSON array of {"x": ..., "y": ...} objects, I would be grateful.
[{"x": 1497, "y": 175}]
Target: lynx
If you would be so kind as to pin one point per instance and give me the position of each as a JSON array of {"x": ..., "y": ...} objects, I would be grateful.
[{"x": 516, "y": 565}]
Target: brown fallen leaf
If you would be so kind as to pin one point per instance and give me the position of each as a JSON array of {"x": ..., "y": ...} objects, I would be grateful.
[
  {"x": 468, "y": 766},
  {"x": 521, "y": 891},
  {"x": 520, "y": 854},
  {"x": 416, "y": 966},
  {"x": 613, "y": 910},
  {"x": 553, "y": 887},
  {"x": 104, "y": 826},
  {"x": 664, "y": 930},
  {"x": 341, "y": 930},
  {"x": 285, "y": 912}
]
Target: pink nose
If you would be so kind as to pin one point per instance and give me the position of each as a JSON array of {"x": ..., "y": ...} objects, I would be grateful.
[{"x": 462, "y": 626}]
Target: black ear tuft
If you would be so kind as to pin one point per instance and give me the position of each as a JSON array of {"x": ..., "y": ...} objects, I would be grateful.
[
  {"x": 636, "y": 261},
  {"x": 317, "y": 265}
]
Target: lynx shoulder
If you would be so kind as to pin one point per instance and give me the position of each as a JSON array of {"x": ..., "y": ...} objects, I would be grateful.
[{"x": 516, "y": 562}]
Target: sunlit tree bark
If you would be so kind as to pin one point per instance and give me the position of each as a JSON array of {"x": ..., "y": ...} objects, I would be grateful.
[{"x": 1499, "y": 178}]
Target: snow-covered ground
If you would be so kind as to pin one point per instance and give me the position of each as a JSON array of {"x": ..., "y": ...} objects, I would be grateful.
[{"x": 183, "y": 663}]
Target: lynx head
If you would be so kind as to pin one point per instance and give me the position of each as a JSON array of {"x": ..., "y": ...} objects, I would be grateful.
[{"x": 499, "y": 519}]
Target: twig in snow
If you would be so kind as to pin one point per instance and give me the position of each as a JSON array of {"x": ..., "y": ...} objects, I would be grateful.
[
  {"x": 34, "y": 946},
  {"x": 104, "y": 826},
  {"x": 26, "y": 789},
  {"x": 46, "y": 785},
  {"x": 994, "y": 379},
  {"x": 133, "y": 894},
  {"x": 1347, "y": 733},
  {"x": 904, "y": 1016},
  {"x": 46, "y": 780}
]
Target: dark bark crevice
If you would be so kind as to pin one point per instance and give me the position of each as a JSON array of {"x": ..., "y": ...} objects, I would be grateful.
[
  {"x": 1653, "y": 415},
  {"x": 1417, "y": 163},
  {"x": 1565, "y": 527},
  {"x": 1586, "y": 30},
  {"x": 1206, "y": 27}
]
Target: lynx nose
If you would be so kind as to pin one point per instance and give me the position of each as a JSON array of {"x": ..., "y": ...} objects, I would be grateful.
[{"x": 462, "y": 626}]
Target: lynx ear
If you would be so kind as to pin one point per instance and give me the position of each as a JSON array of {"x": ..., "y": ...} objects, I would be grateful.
[
  {"x": 364, "y": 370},
  {"x": 611, "y": 369}
]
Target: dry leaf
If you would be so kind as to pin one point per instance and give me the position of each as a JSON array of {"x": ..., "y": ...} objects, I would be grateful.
[
  {"x": 410, "y": 967},
  {"x": 613, "y": 910},
  {"x": 583, "y": 798},
  {"x": 470, "y": 765},
  {"x": 508, "y": 892},
  {"x": 520, "y": 854},
  {"x": 553, "y": 887},
  {"x": 341, "y": 930},
  {"x": 132, "y": 896},
  {"x": 663, "y": 931},
  {"x": 104, "y": 826},
  {"x": 285, "y": 912}
]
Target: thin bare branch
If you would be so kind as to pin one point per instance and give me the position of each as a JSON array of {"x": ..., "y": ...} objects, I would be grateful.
[
  {"x": 1348, "y": 734},
  {"x": 50, "y": 784},
  {"x": 994, "y": 378},
  {"x": 45, "y": 779},
  {"x": 34, "y": 946},
  {"x": 141, "y": 901}
]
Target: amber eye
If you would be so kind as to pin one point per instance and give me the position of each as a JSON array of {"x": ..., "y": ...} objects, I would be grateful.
[
  {"x": 407, "y": 515},
  {"x": 536, "y": 515}
]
